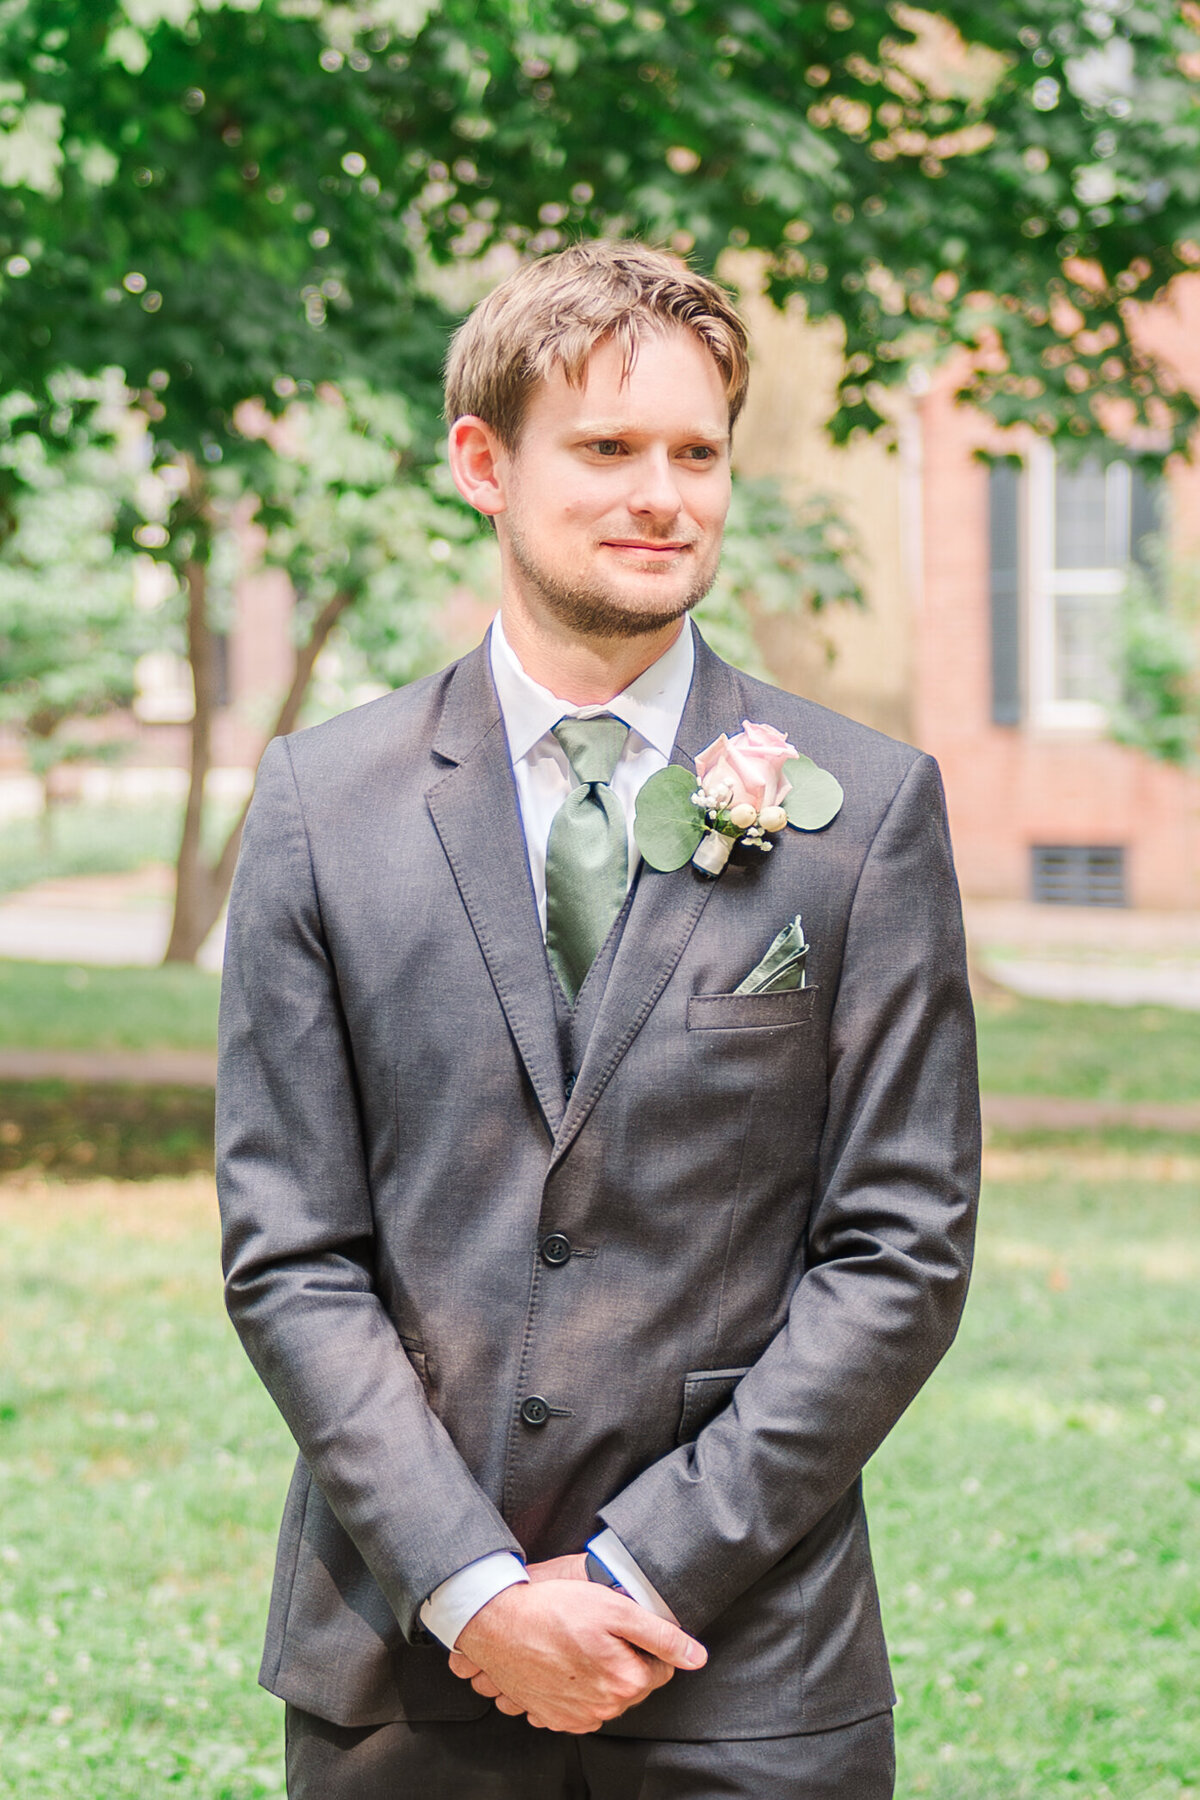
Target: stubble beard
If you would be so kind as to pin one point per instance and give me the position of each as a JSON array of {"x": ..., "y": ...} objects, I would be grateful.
[{"x": 588, "y": 608}]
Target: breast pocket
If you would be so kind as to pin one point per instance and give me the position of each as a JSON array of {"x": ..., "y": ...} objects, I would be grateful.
[{"x": 751, "y": 1012}]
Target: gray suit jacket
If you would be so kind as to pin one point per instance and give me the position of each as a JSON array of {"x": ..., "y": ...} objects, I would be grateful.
[{"x": 769, "y": 1200}]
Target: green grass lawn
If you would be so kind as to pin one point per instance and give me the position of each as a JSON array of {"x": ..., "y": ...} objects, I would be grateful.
[
  {"x": 1091, "y": 1052},
  {"x": 99, "y": 840},
  {"x": 87, "y": 840},
  {"x": 1034, "y": 1515},
  {"x": 1025, "y": 1046},
  {"x": 63, "y": 1006},
  {"x": 1037, "y": 1514},
  {"x": 141, "y": 1475}
]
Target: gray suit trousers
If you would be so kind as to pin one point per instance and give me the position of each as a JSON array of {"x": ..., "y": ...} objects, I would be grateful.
[{"x": 497, "y": 1758}]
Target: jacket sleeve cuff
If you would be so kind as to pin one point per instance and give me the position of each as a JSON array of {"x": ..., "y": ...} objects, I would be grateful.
[
  {"x": 452, "y": 1605},
  {"x": 607, "y": 1548}
]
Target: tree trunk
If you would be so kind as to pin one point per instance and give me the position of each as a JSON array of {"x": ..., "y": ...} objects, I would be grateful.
[
  {"x": 46, "y": 818},
  {"x": 193, "y": 903},
  {"x": 207, "y": 886}
]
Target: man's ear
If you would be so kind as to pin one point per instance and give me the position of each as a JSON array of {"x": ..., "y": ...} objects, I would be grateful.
[{"x": 477, "y": 463}]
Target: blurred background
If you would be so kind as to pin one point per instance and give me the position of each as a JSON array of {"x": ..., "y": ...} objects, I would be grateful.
[{"x": 234, "y": 239}]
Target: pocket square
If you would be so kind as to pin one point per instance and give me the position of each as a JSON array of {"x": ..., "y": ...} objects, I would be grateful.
[{"x": 782, "y": 967}]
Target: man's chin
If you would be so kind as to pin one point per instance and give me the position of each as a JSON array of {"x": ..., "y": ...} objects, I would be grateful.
[{"x": 605, "y": 616}]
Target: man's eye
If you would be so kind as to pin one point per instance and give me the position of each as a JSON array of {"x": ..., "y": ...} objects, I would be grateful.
[
  {"x": 700, "y": 453},
  {"x": 607, "y": 447}
]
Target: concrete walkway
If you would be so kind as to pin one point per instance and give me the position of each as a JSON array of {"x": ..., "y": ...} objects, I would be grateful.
[
  {"x": 1104, "y": 954},
  {"x": 140, "y": 1068},
  {"x": 118, "y": 921},
  {"x": 1049, "y": 1112}
]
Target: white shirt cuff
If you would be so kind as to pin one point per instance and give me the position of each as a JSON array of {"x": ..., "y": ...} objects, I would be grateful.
[
  {"x": 608, "y": 1549},
  {"x": 452, "y": 1606}
]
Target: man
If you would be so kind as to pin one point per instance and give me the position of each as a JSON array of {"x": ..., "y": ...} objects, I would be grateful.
[{"x": 541, "y": 1235}]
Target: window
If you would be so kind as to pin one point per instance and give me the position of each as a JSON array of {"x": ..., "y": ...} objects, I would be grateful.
[
  {"x": 1062, "y": 538},
  {"x": 1078, "y": 875},
  {"x": 1078, "y": 555}
]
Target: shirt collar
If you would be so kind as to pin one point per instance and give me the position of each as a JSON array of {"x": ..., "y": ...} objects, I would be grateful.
[{"x": 652, "y": 705}]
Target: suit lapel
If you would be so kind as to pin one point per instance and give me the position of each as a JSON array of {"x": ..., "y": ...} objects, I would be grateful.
[
  {"x": 477, "y": 816},
  {"x": 664, "y": 912}
]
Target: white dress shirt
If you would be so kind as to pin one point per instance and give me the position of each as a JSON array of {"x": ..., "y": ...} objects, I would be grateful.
[{"x": 652, "y": 707}]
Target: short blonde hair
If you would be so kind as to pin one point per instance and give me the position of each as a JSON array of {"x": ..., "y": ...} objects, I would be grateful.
[{"x": 554, "y": 312}]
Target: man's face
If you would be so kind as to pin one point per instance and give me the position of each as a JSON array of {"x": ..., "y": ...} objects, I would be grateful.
[{"x": 616, "y": 494}]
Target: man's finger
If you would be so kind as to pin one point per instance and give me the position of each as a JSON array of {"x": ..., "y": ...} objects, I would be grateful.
[
  {"x": 660, "y": 1638},
  {"x": 462, "y": 1666},
  {"x": 483, "y": 1684},
  {"x": 505, "y": 1705}
]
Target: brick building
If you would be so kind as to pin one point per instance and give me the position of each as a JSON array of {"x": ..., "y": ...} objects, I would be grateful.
[{"x": 992, "y": 592}]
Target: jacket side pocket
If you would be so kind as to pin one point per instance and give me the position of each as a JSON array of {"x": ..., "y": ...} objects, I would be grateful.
[
  {"x": 420, "y": 1362},
  {"x": 706, "y": 1392}
]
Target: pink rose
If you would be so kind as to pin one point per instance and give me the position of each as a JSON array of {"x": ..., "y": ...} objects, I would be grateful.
[{"x": 750, "y": 764}]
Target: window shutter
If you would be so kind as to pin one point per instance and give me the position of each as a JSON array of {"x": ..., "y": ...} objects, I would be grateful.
[{"x": 1004, "y": 540}]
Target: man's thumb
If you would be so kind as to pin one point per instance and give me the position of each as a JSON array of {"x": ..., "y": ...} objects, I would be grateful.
[{"x": 664, "y": 1640}]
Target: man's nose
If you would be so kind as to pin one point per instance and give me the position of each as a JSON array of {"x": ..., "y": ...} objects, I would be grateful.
[{"x": 654, "y": 490}]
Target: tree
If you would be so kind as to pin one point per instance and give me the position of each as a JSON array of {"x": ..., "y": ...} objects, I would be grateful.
[
  {"x": 357, "y": 544},
  {"x": 224, "y": 201},
  {"x": 235, "y": 202},
  {"x": 70, "y": 628},
  {"x": 1157, "y": 658}
]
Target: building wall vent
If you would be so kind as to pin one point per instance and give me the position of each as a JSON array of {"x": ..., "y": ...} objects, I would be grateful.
[{"x": 1079, "y": 875}]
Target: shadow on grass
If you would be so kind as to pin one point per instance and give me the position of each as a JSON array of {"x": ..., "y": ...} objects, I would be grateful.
[{"x": 76, "y": 1129}]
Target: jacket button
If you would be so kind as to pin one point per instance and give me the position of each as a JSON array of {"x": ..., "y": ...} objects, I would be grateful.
[
  {"x": 556, "y": 1249},
  {"x": 534, "y": 1410}
]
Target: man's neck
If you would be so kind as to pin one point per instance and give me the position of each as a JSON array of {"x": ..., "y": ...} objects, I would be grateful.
[{"x": 586, "y": 671}]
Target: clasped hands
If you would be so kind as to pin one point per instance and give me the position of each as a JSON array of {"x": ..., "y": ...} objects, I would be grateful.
[{"x": 568, "y": 1653}]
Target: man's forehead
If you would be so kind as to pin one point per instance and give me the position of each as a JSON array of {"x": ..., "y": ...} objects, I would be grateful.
[{"x": 672, "y": 382}]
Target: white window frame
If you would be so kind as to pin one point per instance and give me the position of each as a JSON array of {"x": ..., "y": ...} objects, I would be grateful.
[{"x": 1044, "y": 584}]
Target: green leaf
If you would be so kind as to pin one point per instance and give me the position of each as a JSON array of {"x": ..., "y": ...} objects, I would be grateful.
[
  {"x": 816, "y": 795},
  {"x": 666, "y": 825}
]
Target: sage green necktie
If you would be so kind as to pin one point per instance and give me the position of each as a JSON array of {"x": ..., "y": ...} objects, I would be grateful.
[{"x": 587, "y": 856}]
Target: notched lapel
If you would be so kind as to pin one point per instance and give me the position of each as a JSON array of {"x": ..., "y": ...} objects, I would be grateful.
[
  {"x": 665, "y": 910},
  {"x": 475, "y": 811}
]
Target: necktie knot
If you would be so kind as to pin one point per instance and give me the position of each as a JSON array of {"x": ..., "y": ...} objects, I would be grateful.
[{"x": 592, "y": 746}]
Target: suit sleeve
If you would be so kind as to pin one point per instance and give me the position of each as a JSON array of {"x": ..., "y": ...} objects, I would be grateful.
[
  {"x": 889, "y": 1241},
  {"x": 298, "y": 1229}
]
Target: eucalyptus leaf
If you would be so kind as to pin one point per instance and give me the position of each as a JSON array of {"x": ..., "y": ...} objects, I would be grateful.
[
  {"x": 666, "y": 826},
  {"x": 816, "y": 795}
]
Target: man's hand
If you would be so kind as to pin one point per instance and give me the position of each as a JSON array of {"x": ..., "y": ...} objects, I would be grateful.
[
  {"x": 569, "y": 1653},
  {"x": 558, "y": 1568}
]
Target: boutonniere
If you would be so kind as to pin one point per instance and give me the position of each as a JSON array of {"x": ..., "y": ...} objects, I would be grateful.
[{"x": 743, "y": 790}]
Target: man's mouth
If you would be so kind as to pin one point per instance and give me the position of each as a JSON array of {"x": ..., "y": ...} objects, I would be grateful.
[{"x": 646, "y": 547}]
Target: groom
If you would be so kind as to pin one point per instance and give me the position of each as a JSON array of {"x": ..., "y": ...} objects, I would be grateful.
[{"x": 586, "y": 1277}]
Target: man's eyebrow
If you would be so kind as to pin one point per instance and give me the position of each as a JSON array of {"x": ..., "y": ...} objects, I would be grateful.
[{"x": 606, "y": 429}]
